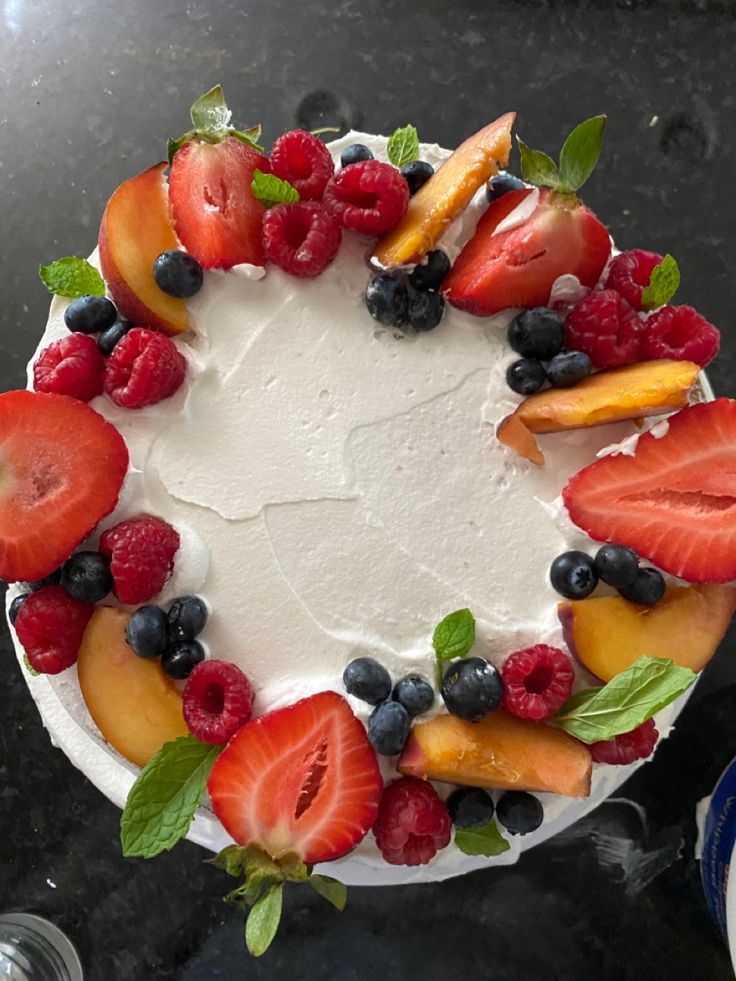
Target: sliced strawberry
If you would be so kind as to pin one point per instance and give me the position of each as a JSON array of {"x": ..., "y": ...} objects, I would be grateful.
[
  {"x": 61, "y": 470},
  {"x": 517, "y": 267},
  {"x": 217, "y": 219},
  {"x": 302, "y": 779},
  {"x": 674, "y": 501}
]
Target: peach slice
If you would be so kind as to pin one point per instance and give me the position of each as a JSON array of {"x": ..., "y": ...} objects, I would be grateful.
[
  {"x": 438, "y": 202},
  {"x": 499, "y": 751},
  {"x": 633, "y": 392},
  {"x": 607, "y": 634},
  {"x": 133, "y": 703},
  {"x": 136, "y": 227}
]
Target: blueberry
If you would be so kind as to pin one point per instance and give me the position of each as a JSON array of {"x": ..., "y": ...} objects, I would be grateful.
[
  {"x": 525, "y": 376},
  {"x": 90, "y": 314},
  {"x": 501, "y": 184},
  {"x": 179, "y": 660},
  {"x": 53, "y": 579},
  {"x": 416, "y": 174},
  {"x": 148, "y": 631},
  {"x": 568, "y": 368},
  {"x": 430, "y": 274},
  {"x": 388, "y": 728},
  {"x": 178, "y": 274},
  {"x": 647, "y": 589},
  {"x": 354, "y": 153},
  {"x": 387, "y": 299},
  {"x": 472, "y": 688},
  {"x": 414, "y": 693},
  {"x": 367, "y": 680},
  {"x": 187, "y": 617},
  {"x": 110, "y": 337},
  {"x": 520, "y": 813},
  {"x": 470, "y": 807},
  {"x": 426, "y": 310},
  {"x": 15, "y": 605},
  {"x": 573, "y": 575},
  {"x": 617, "y": 565},
  {"x": 86, "y": 576},
  {"x": 536, "y": 333}
]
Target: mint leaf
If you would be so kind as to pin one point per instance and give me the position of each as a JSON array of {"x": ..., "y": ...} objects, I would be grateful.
[
  {"x": 403, "y": 146},
  {"x": 263, "y": 920},
  {"x": 663, "y": 284},
  {"x": 73, "y": 277},
  {"x": 162, "y": 801},
  {"x": 210, "y": 114},
  {"x": 536, "y": 167},
  {"x": 626, "y": 701},
  {"x": 29, "y": 667},
  {"x": 271, "y": 190},
  {"x": 330, "y": 889},
  {"x": 250, "y": 136},
  {"x": 486, "y": 840},
  {"x": 580, "y": 153},
  {"x": 454, "y": 636}
]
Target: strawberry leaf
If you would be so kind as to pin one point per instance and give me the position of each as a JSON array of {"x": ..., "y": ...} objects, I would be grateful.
[
  {"x": 210, "y": 114},
  {"x": 403, "y": 146},
  {"x": 249, "y": 136},
  {"x": 72, "y": 277},
  {"x": 486, "y": 840},
  {"x": 537, "y": 167},
  {"x": 271, "y": 190},
  {"x": 173, "y": 145},
  {"x": 663, "y": 284},
  {"x": 580, "y": 153},
  {"x": 263, "y": 920},
  {"x": 330, "y": 889}
]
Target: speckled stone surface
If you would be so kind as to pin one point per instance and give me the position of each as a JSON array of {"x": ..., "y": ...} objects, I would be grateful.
[{"x": 89, "y": 93}]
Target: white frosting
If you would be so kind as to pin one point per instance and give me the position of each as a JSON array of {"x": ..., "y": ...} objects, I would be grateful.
[{"x": 338, "y": 488}]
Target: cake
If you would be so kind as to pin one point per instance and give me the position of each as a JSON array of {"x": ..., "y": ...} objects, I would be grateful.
[{"x": 340, "y": 468}]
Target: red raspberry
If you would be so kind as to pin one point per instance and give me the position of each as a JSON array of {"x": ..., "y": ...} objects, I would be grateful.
[
  {"x": 413, "y": 822},
  {"x": 72, "y": 366},
  {"x": 141, "y": 552},
  {"x": 682, "y": 334},
  {"x": 304, "y": 161},
  {"x": 50, "y": 625},
  {"x": 143, "y": 369},
  {"x": 218, "y": 700},
  {"x": 630, "y": 273},
  {"x": 302, "y": 238},
  {"x": 606, "y": 328},
  {"x": 634, "y": 745},
  {"x": 369, "y": 197},
  {"x": 536, "y": 682}
]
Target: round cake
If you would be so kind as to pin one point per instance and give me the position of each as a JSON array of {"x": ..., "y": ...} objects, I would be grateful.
[{"x": 369, "y": 469}]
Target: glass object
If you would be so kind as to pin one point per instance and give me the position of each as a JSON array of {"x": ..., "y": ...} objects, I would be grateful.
[{"x": 33, "y": 949}]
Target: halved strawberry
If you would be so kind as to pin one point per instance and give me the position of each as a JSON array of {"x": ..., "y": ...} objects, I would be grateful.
[
  {"x": 61, "y": 470},
  {"x": 517, "y": 267},
  {"x": 217, "y": 219},
  {"x": 302, "y": 779},
  {"x": 674, "y": 500}
]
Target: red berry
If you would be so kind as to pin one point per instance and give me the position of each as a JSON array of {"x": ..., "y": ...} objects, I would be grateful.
[
  {"x": 72, "y": 366},
  {"x": 369, "y": 197},
  {"x": 141, "y": 552},
  {"x": 412, "y": 824},
  {"x": 218, "y": 700},
  {"x": 630, "y": 273},
  {"x": 304, "y": 161},
  {"x": 144, "y": 368},
  {"x": 301, "y": 238},
  {"x": 682, "y": 334},
  {"x": 635, "y": 745},
  {"x": 536, "y": 682},
  {"x": 50, "y": 626},
  {"x": 606, "y": 328}
]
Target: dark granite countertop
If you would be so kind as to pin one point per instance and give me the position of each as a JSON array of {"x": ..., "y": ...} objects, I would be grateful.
[{"x": 90, "y": 91}]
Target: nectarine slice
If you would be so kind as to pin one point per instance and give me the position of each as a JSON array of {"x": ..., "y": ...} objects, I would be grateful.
[
  {"x": 133, "y": 703},
  {"x": 607, "y": 634},
  {"x": 499, "y": 751},
  {"x": 633, "y": 392},
  {"x": 136, "y": 228},
  {"x": 438, "y": 202}
]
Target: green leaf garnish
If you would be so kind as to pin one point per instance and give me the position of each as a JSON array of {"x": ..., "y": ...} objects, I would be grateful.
[
  {"x": 486, "y": 840},
  {"x": 29, "y": 667},
  {"x": 453, "y": 637},
  {"x": 578, "y": 157},
  {"x": 162, "y": 801},
  {"x": 72, "y": 277},
  {"x": 536, "y": 167},
  {"x": 330, "y": 889},
  {"x": 626, "y": 701},
  {"x": 271, "y": 190},
  {"x": 663, "y": 284},
  {"x": 403, "y": 145},
  {"x": 210, "y": 114},
  {"x": 263, "y": 920}
]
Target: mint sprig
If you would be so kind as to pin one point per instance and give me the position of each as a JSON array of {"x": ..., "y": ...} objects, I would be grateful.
[
  {"x": 663, "y": 284},
  {"x": 453, "y": 637},
  {"x": 162, "y": 801},
  {"x": 71, "y": 276},
  {"x": 627, "y": 700},
  {"x": 271, "y": 190},
  {"x": 210, "y": 119},
  {"x": 403, "y": 145},
  {"x": 578, "y": 158},
  {"x": 29, "y": 667},
  {"x": 486, "y": 840}
]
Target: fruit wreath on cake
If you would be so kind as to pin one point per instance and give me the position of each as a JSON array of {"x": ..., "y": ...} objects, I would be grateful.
[{"x": 366, "y": 517}]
